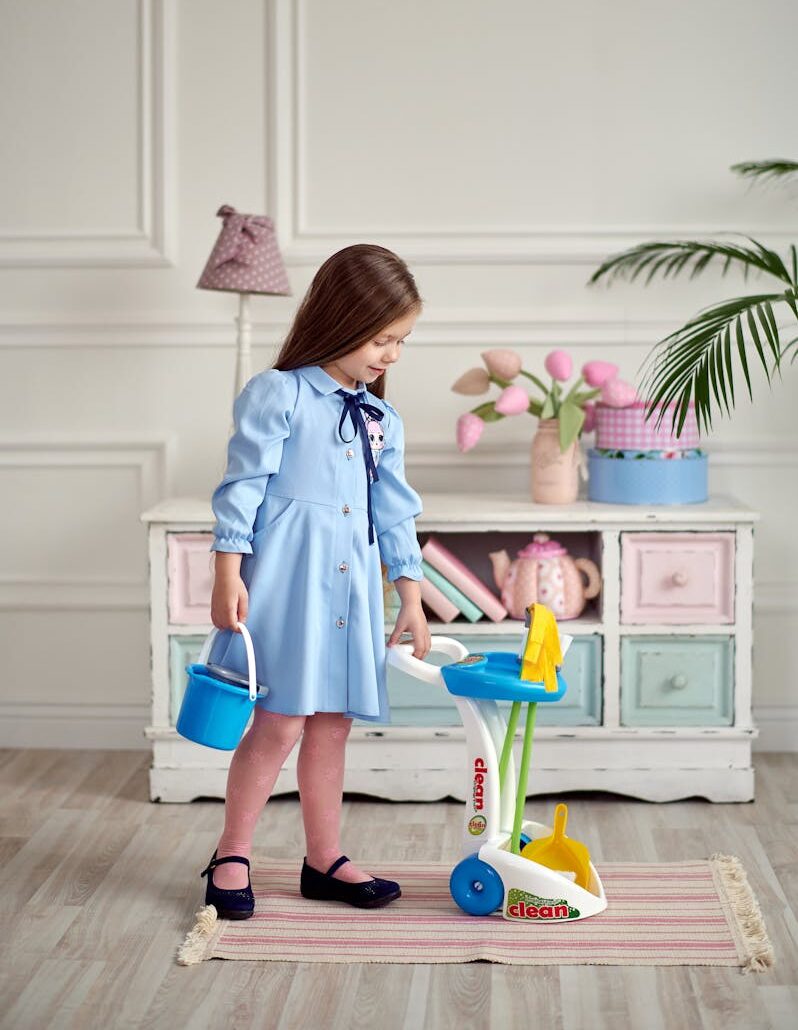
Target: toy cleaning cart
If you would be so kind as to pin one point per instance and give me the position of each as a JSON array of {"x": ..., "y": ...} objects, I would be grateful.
[{"x": 529, "y": 870}]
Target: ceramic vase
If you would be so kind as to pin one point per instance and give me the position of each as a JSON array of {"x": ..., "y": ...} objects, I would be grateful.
[{"x": 555, "y": 473}]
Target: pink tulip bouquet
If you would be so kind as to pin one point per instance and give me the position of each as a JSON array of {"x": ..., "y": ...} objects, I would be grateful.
[{"x": 574, "y": 409}]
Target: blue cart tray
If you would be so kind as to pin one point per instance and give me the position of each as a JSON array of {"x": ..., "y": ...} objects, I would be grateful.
[{"x": 494, "y": 674}]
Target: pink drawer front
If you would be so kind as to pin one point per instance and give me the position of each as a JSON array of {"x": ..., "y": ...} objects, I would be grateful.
[
  {"x": 677, "y": 577},
  {"x": 190, "y": 577}
]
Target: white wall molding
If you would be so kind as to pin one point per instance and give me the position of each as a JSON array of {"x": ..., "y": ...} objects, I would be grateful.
[
  {"x": 466, "y": 244},
  {"x": 546, "y": 245},
  {"x": 150, "y": 456},
  {"x": 149, "y": 453},
  {"x": 152, "y": 241},
  {"x": 482, "y": 328},
  {"x": 47, "y": 595}
]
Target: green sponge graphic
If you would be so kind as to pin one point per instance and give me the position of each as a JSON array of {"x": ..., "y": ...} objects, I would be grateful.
[{"x": 523, "y": 905}]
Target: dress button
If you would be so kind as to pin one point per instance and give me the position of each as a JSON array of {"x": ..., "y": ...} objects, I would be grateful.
[
  {"x": 350, "y": 453},
  {"x": 339, "y": 623},
  {"x": 346, "y": 509},
  {"x": 343, "y": 567}
]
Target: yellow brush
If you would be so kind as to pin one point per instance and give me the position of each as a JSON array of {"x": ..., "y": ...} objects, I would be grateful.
[{"x": 542, "y": 653}]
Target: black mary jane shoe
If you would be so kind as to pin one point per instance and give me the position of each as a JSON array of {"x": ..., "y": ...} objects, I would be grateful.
[
  {"x": 372, "y": 893},
  {"x": 229, "y": 904}
]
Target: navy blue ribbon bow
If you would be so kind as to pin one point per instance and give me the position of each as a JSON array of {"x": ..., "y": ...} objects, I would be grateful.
[{"x": 354, "y": 408}]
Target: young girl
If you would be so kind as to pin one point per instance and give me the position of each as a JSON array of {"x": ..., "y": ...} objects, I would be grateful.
[{"x": 313, "y": 499}]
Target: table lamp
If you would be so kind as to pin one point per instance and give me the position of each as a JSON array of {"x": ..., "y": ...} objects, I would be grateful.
[{"x": 245, "y": 259}]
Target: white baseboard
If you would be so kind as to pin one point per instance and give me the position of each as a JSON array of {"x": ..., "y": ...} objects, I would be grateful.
[
  {"x": 778, "y": 727},
  {"x": 121, "y": 727},
  {"x": 91, "y": 726}
]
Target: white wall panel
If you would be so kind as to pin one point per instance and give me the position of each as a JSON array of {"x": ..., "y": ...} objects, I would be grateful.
[
  {"x": 85, "y": 107},
  {"x": 70, "y": 108},
  {"x": 89, "y": 509},
  {"x": 463, "y": 115},
  {"x": 525, "y": 128},
  {"x": 503, "y": 148}
]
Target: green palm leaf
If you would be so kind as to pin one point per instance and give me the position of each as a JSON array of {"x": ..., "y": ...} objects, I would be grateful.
[
  {"x": 776, "y": 168},
  {"x": 695, "y": 362},
  {"x": 672, "y": 257},
  {"x": 791, "y": 346}
]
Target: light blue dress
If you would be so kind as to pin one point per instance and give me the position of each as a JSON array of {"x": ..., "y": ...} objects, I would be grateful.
[{"x": 294, "y": 501}]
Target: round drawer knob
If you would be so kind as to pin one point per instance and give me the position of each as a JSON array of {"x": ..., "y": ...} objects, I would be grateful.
[
  {"x": 679, "y": 681},
  {"x": 679, "y": 578}
]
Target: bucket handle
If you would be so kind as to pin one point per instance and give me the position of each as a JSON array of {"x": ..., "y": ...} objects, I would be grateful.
[{"x": 206, "y": 650}]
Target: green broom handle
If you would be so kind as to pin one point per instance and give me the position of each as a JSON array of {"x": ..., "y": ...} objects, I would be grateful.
[
  {"x": 523, "y": 776},
  {"x": 507, "y": 748}
]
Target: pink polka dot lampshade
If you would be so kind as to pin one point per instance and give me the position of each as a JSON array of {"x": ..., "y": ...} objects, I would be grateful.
[{"x": 245, "y": 257}]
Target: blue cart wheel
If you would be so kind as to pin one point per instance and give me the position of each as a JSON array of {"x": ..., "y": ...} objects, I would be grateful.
[{"x": 476, "y": 887}]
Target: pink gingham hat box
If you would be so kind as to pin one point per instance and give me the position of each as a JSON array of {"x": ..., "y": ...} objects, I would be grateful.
[{"x": 626, "y": 429}]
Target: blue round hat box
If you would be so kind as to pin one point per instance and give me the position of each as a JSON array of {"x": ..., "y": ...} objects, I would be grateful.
[{"x": 647, "y": 480}]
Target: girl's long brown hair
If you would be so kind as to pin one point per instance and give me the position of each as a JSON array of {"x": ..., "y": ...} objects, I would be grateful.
[{"x": 356, "y": 293}]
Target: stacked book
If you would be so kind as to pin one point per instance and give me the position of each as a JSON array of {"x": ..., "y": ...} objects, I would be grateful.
[{"x": 450, "y": 588}]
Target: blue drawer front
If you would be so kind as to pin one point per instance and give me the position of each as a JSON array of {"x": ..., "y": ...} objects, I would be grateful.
[
  {"x": 414, "y": 703},
  {"x": 677, "y": 681},
  {"x": 582, "y": 669},
  {"x": 183, "y": 651}
]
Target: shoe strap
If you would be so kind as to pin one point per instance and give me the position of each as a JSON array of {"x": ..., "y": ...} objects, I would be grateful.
[
  {"x": 220, "y": 861},
  {"x": 336, "y": 865}
]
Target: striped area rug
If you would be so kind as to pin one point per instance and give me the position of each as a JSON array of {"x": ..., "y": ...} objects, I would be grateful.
[{"x": 699, "y": 913}]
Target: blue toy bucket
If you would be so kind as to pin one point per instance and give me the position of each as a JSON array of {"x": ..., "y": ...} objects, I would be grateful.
[{"x": 215, "y": 712}]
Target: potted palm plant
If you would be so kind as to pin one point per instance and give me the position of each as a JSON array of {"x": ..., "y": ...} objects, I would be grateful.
[{"x": 697, "y": 361}]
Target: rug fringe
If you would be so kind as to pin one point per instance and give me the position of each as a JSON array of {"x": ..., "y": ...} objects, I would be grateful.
[
  {"x": 759, "y": 951},
  {"x": 193, "y": 948}
]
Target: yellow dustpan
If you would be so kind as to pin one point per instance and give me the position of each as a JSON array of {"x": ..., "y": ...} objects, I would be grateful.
[{"x": 559, "y": 852}]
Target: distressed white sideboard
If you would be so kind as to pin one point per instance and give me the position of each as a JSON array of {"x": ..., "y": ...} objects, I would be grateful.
[{"x": 659, "y": 675}]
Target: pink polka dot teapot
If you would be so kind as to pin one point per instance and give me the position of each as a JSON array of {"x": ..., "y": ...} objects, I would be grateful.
[{"x": 545, "y": 573}]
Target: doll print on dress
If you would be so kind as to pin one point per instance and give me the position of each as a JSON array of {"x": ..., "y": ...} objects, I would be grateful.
[{"x": 376, "y": 438}]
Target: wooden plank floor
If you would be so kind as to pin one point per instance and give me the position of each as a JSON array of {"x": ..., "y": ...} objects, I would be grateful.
[{"x": 99, "y": 886}]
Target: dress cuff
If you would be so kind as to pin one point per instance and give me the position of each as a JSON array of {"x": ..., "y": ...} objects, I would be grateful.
[
  {"x": 408, "y": 567},
  {"x": 232, "y": 544}
]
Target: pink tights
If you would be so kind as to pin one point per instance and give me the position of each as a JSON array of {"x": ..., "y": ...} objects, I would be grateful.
[{"x": 320, "y": 775}]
